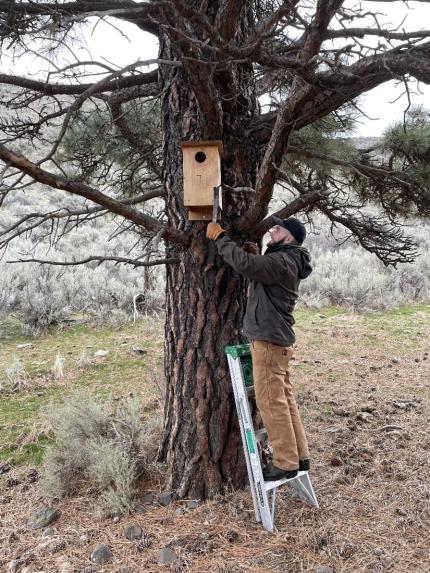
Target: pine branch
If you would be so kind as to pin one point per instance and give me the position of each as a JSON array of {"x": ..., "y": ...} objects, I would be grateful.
[
  {"x": 387, "y": 241},
  {"x": 363, "y": 32},
  {"x": 100, "y": 259},
  {"x": 368, "y": 171},
  {"x": 76, "y": 188},
  {"x": 149, "y": 79},
  {"x": 305, "y": 201},
  {"x": 20, "y": 15},
  {"x": 298, "y": 98},
  {"x": 335, "y": 88},
  {"x": 32, "y": 221}
]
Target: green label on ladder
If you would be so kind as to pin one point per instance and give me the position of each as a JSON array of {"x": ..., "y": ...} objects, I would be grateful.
[{"x": 250, "y": 441}]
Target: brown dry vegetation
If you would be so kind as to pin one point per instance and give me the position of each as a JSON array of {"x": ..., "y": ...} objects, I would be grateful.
[{"x": 363, "y": 383}]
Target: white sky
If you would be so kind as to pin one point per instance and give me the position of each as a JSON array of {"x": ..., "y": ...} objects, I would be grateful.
[{"x": 104, "y": 41}]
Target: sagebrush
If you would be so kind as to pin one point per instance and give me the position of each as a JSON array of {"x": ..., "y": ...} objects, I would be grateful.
[
  {"x": 15, "y": 377},
  {"x": 112, "y": 446}
]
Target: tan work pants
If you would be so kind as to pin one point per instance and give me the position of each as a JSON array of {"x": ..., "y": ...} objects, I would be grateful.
[{"x": 275, "y": 400}]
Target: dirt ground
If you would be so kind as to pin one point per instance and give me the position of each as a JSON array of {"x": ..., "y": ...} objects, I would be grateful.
[{"x": 363, "y": 384}]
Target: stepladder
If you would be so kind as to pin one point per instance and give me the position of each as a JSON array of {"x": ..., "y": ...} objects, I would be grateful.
[{"x": 263, "y": 492}]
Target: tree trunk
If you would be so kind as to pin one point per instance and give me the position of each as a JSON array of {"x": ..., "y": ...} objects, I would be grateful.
[{"x": 205, "y": 303}]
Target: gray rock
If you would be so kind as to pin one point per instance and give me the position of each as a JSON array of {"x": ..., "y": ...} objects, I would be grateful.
[
  {"x": 15, "y": 565},
  {"x": 43, "y": 517},
  {"x": 324, "y": 569},
  {"x": 101, "y": 554},
  {"x": 179, "y": 511},
  {"x": 148, "y": 499},
  {"x": 101, "y": 353},
  {"x": 192, "y": 503},
  {"x": 133, "y": 532},
  {"x": 48, "y": 532},
  {"x": 364, "y": 416},
  {"x": 166, "y": 556},
  {"x": 165, "y": 498},
  {"x": 139, "y": 351},
  {"x": 4, "y": 468}
]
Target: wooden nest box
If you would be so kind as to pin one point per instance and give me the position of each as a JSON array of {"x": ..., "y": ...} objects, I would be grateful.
[{"x": 202, "y": 172}]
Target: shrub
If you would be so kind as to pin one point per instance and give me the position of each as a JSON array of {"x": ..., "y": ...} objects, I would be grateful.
[
  {"x": 15, "y": 377},
  {"x": 58, "y": 367},
  {"x": 110, "y": 446}
]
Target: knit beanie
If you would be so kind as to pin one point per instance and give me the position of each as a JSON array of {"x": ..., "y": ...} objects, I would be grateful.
[{"x": 294, "y": 226}]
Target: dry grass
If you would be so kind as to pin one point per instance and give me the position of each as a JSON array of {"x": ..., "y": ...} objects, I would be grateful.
[{"x": 363, "y": 383}]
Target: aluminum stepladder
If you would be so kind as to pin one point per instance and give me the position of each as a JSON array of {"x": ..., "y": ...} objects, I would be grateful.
[{"x": 240, "y": 366}]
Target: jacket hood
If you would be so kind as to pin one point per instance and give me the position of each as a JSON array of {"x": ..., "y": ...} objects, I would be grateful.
[{"x": 300, "y": 255}]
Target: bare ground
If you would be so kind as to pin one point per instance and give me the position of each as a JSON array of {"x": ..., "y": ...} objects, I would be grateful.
[{"x": 363, "y": 383}]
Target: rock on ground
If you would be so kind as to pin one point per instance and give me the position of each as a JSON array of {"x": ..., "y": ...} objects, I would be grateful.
[
  {"x": 101, "y": 554},
  {"x": 165, "y": 556},
  {"x": 133, "y": 532},
  {"x": 43, "y": 517}
]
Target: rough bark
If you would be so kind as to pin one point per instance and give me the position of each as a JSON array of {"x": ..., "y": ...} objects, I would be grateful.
[{"x": 205, "y": 303}]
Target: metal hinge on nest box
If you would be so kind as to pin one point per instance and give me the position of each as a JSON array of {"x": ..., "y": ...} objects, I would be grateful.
[{"x": 202, "y": 172}]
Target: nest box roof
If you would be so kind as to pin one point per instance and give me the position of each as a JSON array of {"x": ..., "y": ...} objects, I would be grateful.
[{"x": 213, "y": 143}]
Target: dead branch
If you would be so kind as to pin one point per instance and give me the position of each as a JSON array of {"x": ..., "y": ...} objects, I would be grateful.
[
  {"x": 388, "y": 34},
  {"x": 74, "y": 217},
  {"x": 147, "y": 79},
  {"x": 100, "y": 259}
]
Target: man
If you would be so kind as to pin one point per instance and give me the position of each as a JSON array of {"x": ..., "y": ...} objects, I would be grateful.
[{"x": 268, "y": 324}]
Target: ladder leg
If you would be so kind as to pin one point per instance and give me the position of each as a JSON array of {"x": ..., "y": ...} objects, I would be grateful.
[
  {"x": 303, "y": 487},
  {"x": 273, "y": 503},
  {"x": 251, "y": 484},
  {"x": 233, "y": 366}
]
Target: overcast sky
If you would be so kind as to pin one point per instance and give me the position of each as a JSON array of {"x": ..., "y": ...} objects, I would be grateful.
[{"x": 104, "y": 41}]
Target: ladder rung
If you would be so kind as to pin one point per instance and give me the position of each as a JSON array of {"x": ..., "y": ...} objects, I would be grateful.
[{"x": 268, "y": 485}]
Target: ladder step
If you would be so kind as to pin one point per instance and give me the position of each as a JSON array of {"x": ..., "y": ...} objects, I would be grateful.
[{"x": 268, "y": 485}]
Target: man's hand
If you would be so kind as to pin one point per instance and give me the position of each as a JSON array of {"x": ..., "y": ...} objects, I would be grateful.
[
  {"x": 214, "y": 231},
  {"x": 251, "y": 248}
]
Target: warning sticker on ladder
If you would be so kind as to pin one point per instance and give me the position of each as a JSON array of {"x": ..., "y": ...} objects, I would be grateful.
[{"x": 250, "y": 441}]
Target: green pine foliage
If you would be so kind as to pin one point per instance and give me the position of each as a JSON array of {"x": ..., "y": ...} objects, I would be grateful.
[
  {"x": 327, "y": 138},
  {"x": 95, "y": 148},
  {"x": 408, "y": 146},
  {"x": 400, "y": 178}
]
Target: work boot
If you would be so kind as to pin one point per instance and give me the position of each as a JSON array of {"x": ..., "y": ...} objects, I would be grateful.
[
  {"x": 273, "y": 473},
  {"x": 304, "y": 465}
]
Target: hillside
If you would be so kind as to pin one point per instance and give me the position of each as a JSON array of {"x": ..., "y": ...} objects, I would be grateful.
[
  {"x": 362, "y": 382},
  {"x": 344, "y": 273}
]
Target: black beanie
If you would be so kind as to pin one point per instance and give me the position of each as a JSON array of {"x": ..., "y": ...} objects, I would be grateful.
[{"x": 294, "y": 226}]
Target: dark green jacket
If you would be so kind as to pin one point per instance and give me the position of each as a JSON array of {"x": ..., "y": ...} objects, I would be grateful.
[{"x": 275, "y": 278}]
